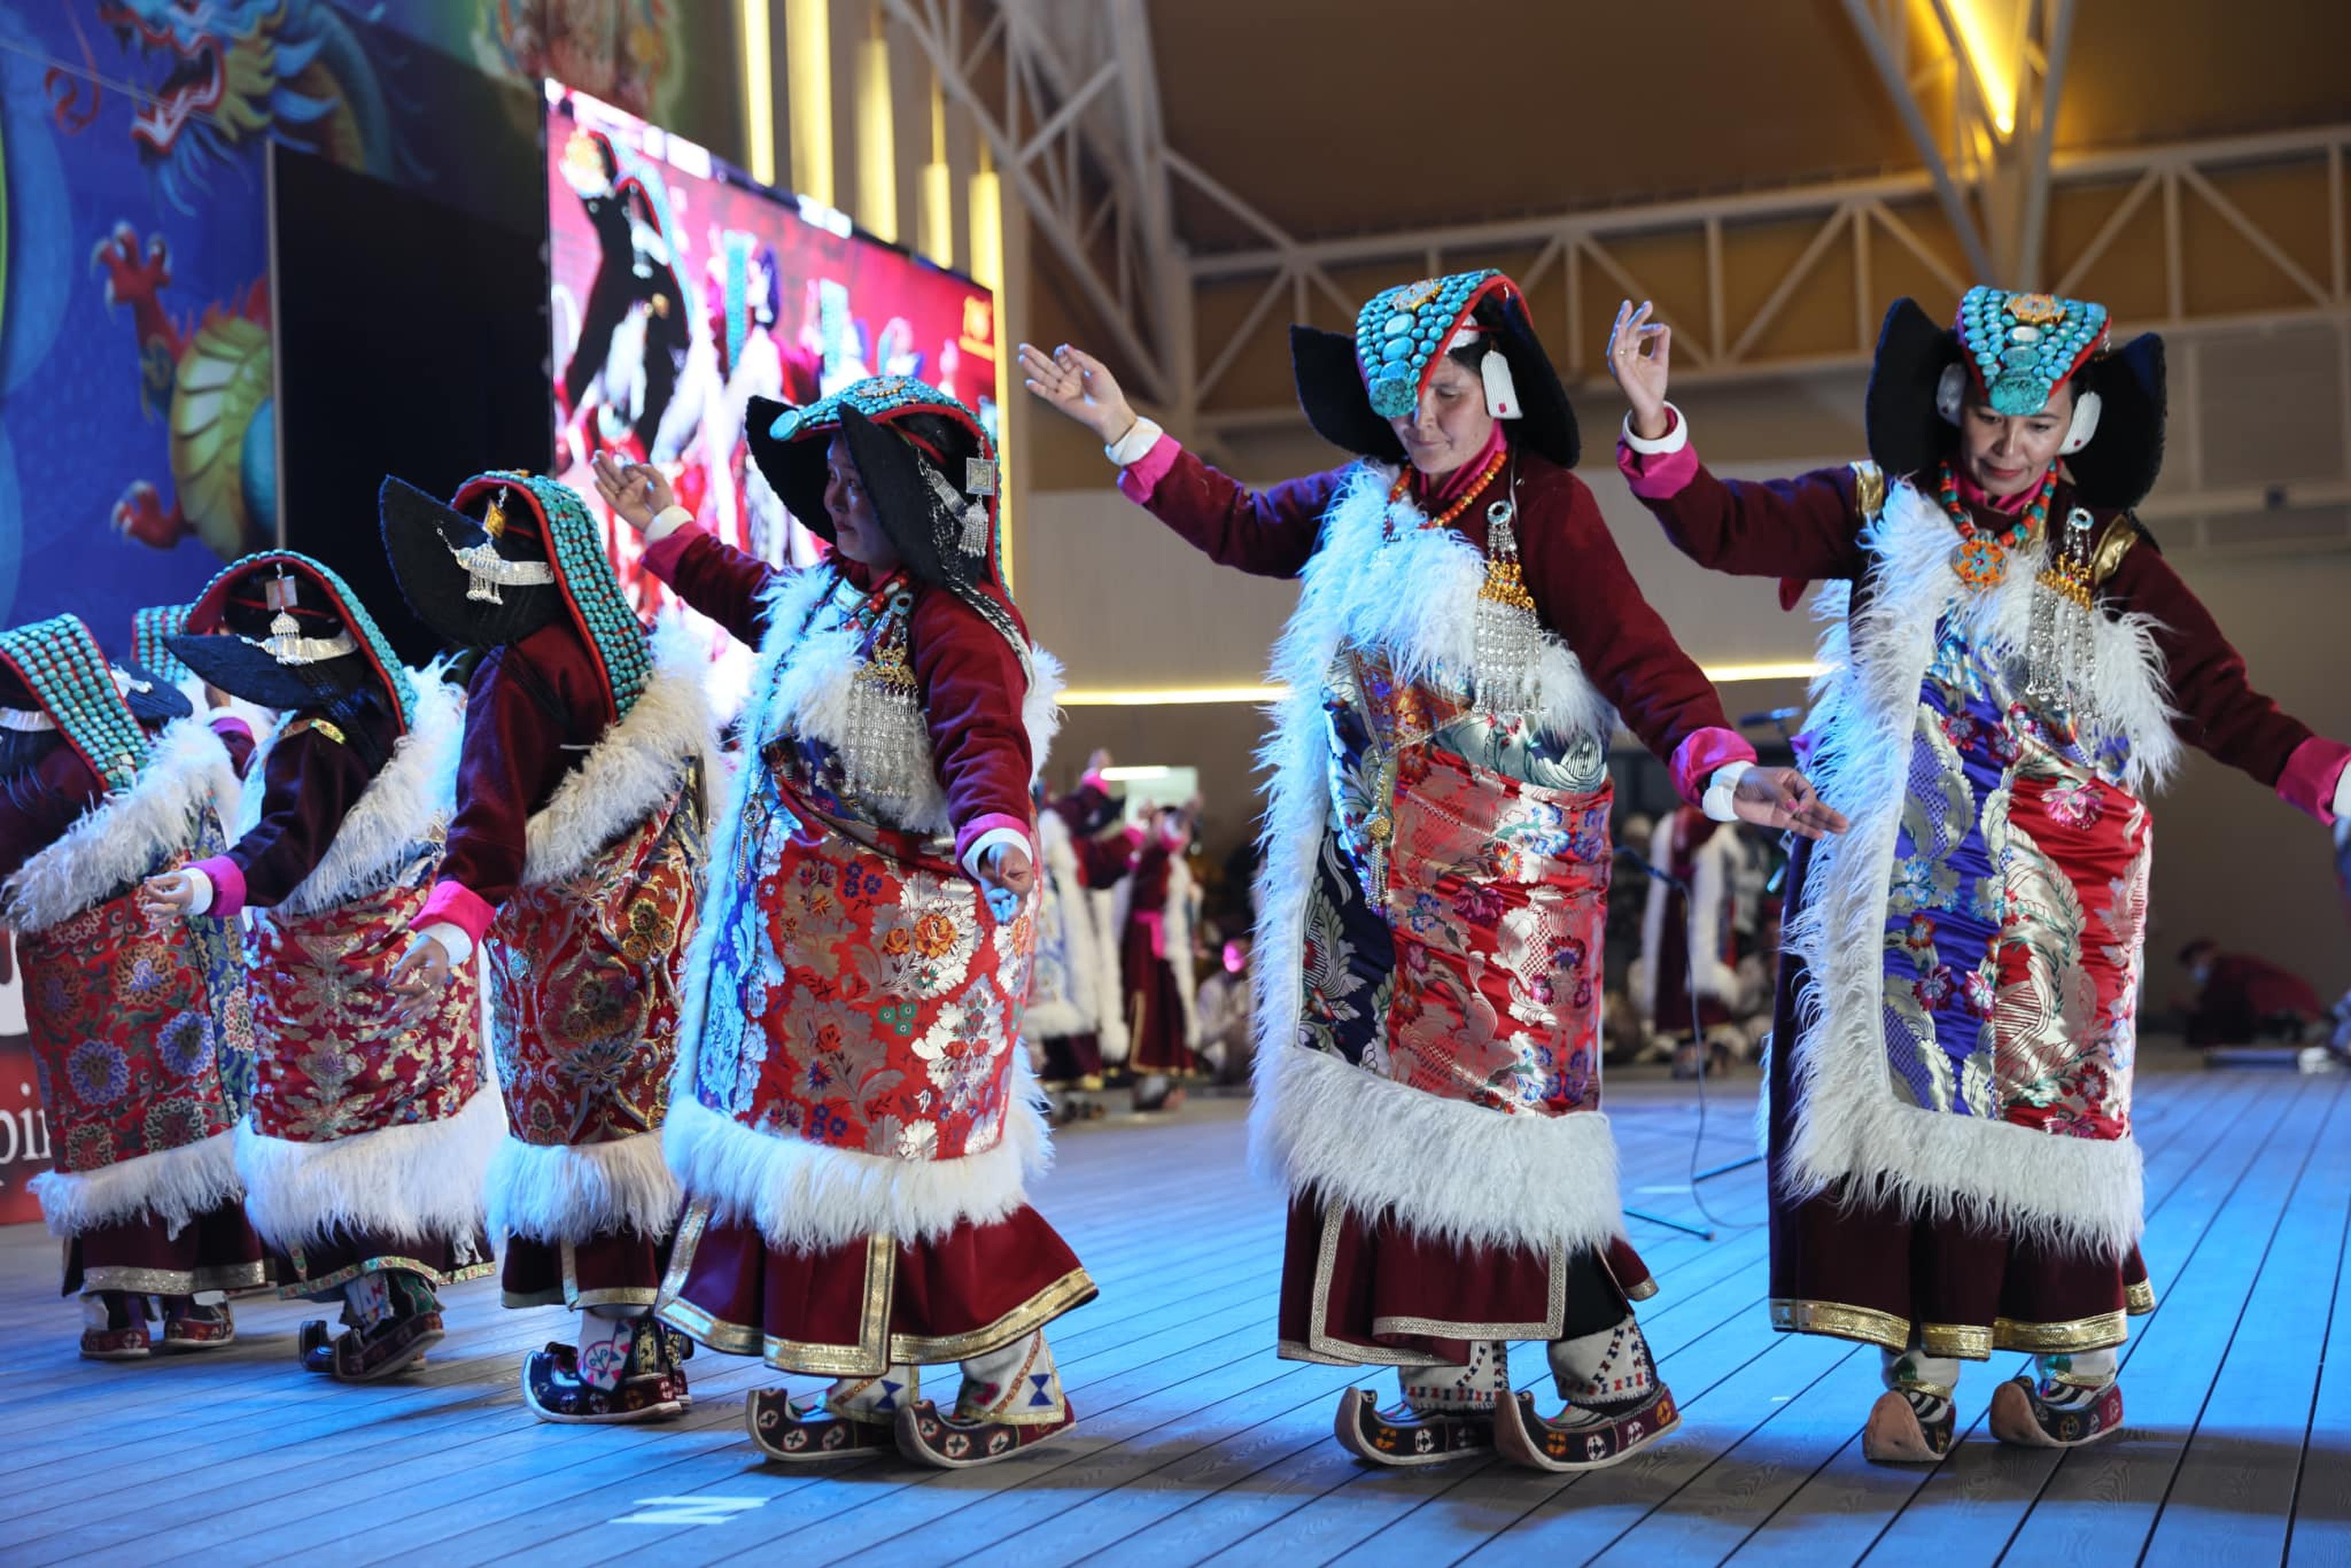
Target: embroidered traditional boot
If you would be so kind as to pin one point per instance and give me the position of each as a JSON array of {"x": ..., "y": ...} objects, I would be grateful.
[
  {"x": 623, "y": 1369},
  {"x": 2076, "y": 1400},
  {"x": 114, "y": 1326},
  {"x": 1447, "y": 1412},
  {"x": 1914, "y": 1420},
  {"x": 857, "y": 1415},
  {"x": 1011, "y": 1399},
  {"x": 393, "y": 1318},
  {"x": 190, "y": 1325},
  {"x": 1616, "y": 1406}
]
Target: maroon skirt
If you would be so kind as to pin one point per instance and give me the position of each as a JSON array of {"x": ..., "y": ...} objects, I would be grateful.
[
  {"x": 1862, "y": 1270},
  {"x": 1356, "y": 1294},
  {"x": 1155, "y": 1007},
  {"x": 856, "y": 1310},
  {"x": 611, "y": 1269},
  {"x": 216, "y": 1250},
  {"x": 1072, "y": 1060},
  {"x": 318, "y": 1271}
]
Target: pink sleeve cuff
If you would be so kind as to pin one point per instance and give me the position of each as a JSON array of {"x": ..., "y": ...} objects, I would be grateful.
[
  {"x": 228, "y": 886},
  {"x": 1659, "y": 477},
  {"x": 1139, "y": 478},
  {"x": 1696, "y": 759},
  {"x": 229, "y": 724},
  {"x": 980, "y": 827},
  {"x": 661, "y": 558},
  {"x": 2312, "y": 775},
  {"x": 458, "y": 904}
]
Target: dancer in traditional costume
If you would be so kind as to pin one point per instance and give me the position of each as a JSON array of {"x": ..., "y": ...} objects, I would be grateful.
[
  {"x": 575, "y": 864},
  {"x": 1428, "y": 954},
  {"x": 1686, "y": 934},
  {"x": 1075, "y": 1020},
  {"x": 130, "y": 1025},
  {"x": 854, "y": 1121},
  {"x": 370, "y": 1130},
  {"x": 1155, "y": 906},
  {"x": 2010, "y": 665}
]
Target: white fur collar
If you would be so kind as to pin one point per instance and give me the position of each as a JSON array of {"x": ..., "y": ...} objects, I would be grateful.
[
  {"x": 410, "y": 798},
  {"x": 634, "y": 769},
  {"x": 129, "y": 835},
  {"x": 1412, "y": 597}
]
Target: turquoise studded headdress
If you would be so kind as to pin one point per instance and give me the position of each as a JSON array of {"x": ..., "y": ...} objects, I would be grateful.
[
  {"x": 534, "y": 555},
  {"x": 1352, "y": 387},
  {"x": 284, "y": 631},
  {"x": 2021, "y": 348},
  {"x": 150, "y": 628},
  {"x": 2013, "y": 351},
  {"x": 64, "y": 675}
]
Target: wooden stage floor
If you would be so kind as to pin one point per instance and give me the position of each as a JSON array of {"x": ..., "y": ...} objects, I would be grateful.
[{"x": 1198, "y": 1444}]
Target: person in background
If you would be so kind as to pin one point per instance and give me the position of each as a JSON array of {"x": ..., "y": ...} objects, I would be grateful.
[
  {"x": 2241, "y": 998},
  {"x": 1228, "y": 1022}
]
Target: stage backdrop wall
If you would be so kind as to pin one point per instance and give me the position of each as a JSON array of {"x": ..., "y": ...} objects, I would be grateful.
[{"x": 136, "y": 417}]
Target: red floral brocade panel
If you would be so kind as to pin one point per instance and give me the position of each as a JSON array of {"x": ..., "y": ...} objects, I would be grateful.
[
  {"x": 123, "y": 1035},
  {"x": 334, "y": 1061},
  {"x": 585, "y": 985}
]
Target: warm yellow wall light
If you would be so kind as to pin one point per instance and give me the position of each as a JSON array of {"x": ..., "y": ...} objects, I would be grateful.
[
  {"x": 877, "y": 142},
  {"x": 807, "y": 67},
  {"x": 1984, "y": 33},
  {"x": 758, "y": 89},
  {"x": 1176, "y": 696},
  {"x": 934, "y": 228}
]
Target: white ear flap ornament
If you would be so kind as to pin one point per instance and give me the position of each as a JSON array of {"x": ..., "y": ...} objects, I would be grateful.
[
  {"x": 1952, "y": 393},
  {"x": 1501, "y": 391},
  {"x": 2086, "y": 408}
]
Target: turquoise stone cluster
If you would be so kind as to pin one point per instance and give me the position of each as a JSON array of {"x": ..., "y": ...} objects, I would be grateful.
[
  {"x": 575, "y": 543},
  {"x": 877, "y": 398},
  {"x": 150, "y": 628},
  {"x": 2025, "y": 345},
  {"x": 1400, "y": 333},
  {"x": 60, "y": 660},
  {"x": 346, "y": 606}
]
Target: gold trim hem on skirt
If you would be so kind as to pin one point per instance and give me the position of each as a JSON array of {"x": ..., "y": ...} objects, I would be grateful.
[{"x": 1960, "y": 1342}]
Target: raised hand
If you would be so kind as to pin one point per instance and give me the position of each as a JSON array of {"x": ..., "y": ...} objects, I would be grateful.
[
  {"x": 1783, "y": 798},
  {"x": 637, "y": 492},
  {"x": 1640, "y": 354},
  {"x": 1081, "y": 386}
]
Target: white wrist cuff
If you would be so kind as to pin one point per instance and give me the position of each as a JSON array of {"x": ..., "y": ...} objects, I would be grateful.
[
  {"x": 453, "y": 939},
  {"x": 1721, "y": 789},
  {"x": 988, "y": 840},
  {"x": 666, "y": 521},
  {"x": 1672, "y": 441},
  {"x": 2342, "y": 807},
  {"x": 203, "y": 883},
  {"x": 1135, "y": 445}
]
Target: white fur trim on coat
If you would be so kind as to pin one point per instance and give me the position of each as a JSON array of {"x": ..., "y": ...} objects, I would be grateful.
[
  {"x": 410, "y": 798},
  {"x": 1413, "y": 599},
  {"x": 809, "y": 1197},
  {"x": 421, "y": 1180},
  {"x": 1110, "y": 1030},
  {"x": 1444, "y": 1169},
  {"x": 634, "y": 769},
  {"x": 575, "y": 1192},
  {"x": 1709, "y": 885},
  {"x": 128, "y": 834},
  {"x": 1078, "y": 1009},
  {"x": 175, "y": 1185},
  {"x": 2061, "y": 1191}
]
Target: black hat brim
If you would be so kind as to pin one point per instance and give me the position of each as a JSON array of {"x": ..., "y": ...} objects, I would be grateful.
[
  {"x": 1907, "y": 435},
  {"x": 2120, "y": 463},
  {"x": 1331, "y": 393},
  {"x": 160, "y": 702},
  {"x": 421, "y": 534},
  {"x": 242, "y": 670},
  {"x": 795, "y": 470}
]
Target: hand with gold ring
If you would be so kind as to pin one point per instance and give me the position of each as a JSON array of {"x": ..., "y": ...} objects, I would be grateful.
[{"x": 1640, "y": 354}]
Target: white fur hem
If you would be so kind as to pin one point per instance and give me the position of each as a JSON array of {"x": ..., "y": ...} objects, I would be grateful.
[
  {"x": 421, "y": 1181},
  {"x": 808, "y": 1198},
  {"x": 176, "y": 1185},
  {"x": 634, "y": 769},
  {"x": 576, "y": 1192},
  {"x": 125, "y": 838},
  {"x": 1444, "y": 1170}
]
